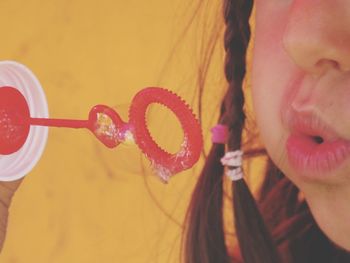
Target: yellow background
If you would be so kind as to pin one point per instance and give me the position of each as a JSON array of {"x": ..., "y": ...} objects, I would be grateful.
[{"x": 83, "y": 202}]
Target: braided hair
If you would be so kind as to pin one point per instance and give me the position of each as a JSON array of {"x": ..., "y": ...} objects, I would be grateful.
[{"x": 205, "y": 240}]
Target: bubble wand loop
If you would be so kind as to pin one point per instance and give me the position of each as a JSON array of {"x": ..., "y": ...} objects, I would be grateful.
[{"x": 109, "y": 128}]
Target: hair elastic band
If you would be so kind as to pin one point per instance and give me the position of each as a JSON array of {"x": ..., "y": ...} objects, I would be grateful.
[
  {"x": 235, "y": 174},
  {"x": 233, "y": 163},
  {"x": 219, "y": 134}
]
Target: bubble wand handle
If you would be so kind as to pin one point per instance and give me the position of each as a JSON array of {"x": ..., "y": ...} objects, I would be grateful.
[{"x": 64, "y": 123}]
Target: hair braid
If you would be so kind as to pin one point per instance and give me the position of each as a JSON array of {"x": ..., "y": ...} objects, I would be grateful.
[
  {"x": 204, "y": 240},
  {"x": 255, "y": 241}
]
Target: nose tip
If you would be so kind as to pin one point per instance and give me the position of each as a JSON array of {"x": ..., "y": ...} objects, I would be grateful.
[
  {"x": 319, "y": 58},
  {"x": 317, "y": 39}
]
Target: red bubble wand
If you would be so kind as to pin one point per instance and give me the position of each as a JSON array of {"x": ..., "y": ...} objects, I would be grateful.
[{"x": 109, "y": 128}]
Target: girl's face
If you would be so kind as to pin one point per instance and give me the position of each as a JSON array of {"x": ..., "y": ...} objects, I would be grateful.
[{"x": 301, "y": 89}]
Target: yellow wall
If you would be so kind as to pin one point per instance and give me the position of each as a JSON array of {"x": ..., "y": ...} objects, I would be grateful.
[{"x": 82, "y": 202}]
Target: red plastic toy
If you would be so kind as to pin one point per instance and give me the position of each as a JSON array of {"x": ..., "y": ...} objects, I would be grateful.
[{"x": 109, "y": 128}]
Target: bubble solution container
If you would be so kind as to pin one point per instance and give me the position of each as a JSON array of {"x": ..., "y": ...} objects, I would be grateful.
[{"x": 20, "y": 163}]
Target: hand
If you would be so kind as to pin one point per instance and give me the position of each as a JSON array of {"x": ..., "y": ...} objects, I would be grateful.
[{"x": 7, "y": 190}]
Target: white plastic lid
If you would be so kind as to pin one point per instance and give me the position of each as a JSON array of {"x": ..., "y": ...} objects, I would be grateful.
[{"x": 20, "y": 163}]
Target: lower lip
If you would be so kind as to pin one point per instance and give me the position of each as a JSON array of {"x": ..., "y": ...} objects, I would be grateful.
[{"x": 309, "y": 157}]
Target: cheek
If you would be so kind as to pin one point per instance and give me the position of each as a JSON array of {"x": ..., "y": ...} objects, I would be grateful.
[
  {"x": 267, "y": 100},
  {"x": 272, "y": 70}
]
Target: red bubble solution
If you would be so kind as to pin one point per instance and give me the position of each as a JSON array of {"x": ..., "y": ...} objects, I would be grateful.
[
  {"x": 109, "y": 128},
  {"x": 13, "y": 111}
]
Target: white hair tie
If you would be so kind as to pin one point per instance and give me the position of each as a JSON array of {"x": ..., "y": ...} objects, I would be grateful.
[{"x": 233, "y": 162}]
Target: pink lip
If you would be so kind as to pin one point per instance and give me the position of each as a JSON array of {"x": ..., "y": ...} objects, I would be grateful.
[{"x": 309, "y": 156}]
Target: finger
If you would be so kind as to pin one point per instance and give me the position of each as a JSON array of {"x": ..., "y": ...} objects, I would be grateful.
[
  {"x": 3, "y": 223},
  {"x": 7, "y": 190}
]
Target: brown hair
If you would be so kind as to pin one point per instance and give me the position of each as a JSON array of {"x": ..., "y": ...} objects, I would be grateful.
[{"x": 277, "y": 227}]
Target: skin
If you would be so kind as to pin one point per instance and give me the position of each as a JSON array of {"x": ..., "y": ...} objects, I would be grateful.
[
  {"x": 7, "y": 190},
  {"x": 301, "y": 62}
]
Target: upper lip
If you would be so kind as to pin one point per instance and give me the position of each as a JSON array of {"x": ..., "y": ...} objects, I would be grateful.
[{"x": 310, "y": 124}]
